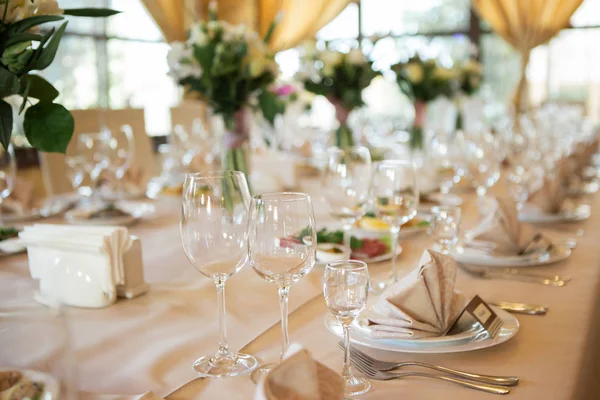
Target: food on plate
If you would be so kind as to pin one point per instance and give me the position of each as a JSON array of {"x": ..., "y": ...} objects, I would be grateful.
[
  {"x": 108, "y": 211},
  {"x": 372, "y": 223},
  {"x": 327, "y": 252},
  {"x": 362, "y": 248},
  {"x": 173, "y": 190},
  {"x": 15, "y": 386},
  {"x": 8, "y": 233}
]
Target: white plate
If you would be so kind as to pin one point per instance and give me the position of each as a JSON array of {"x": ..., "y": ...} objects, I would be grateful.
[
  {"x": 136, "y": 211},
  {"x": 384, "y": 257},
  {"x": 473, "y": 337},
  {"x": 49, "y": 208},
  {"x": 535, "y": 215},
  {"x": 12, "y": 246},
  {"x": 469, "y": 255},
  {"x": 51, "y": 387},
  {"x": 404, "y": 232}
]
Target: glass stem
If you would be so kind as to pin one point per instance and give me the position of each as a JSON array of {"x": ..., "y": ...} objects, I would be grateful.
[
  {"x": 348, "y": 239},
  {"x": 223, "y": 347},
  {"x": 284, "y": 293},
  {"x": 395, "y": 233},
  {"x": 346, "y": 371}
]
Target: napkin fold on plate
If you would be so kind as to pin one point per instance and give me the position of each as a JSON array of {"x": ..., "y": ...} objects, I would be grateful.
[
  {"x": 300, "y": 377},
  {"x": 504, "y": 234},
  {"x": 422, "y": 304},
  {"x": 551, "y": 197},
  {"x": 20, "y": 199}
]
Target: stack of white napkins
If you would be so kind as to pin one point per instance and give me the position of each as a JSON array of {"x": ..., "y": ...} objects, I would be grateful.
[
  {"x": 300, "y": 377},
  {"x": 504, "y": 235},
  {"x": 422, "y": 304},
  {"x": 79, "y": 266}
]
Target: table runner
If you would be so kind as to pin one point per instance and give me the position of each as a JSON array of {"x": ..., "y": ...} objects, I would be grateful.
[{"x": 149, "y": 343}]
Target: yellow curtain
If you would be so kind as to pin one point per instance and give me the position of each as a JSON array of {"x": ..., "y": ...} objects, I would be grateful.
[
  {"x": 301, "y": 19},
  {"x": 526, "y": 24}
]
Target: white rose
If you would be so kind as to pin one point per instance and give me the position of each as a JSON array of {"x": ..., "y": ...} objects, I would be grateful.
[
  {"x": 356, "y": 57},
  {"x": 444, "y": 74},
  {"x": 197, "y": 36},
  {"x": 181, "y": 62},
  {"x": 331, "y": 58},
  {"x": 212, "y": 27},
  {"x": 414, "y": 72}
]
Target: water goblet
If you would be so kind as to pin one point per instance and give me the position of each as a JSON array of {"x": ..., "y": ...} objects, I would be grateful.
[
  {"x": 91, "y": 147},
  {"x": 444, "y": 156},
  {"x": 346, "y": 288},
  {"x": 396, "y": 199},
  {"x": 120, "y": 153},
  {"x": 214, "y": 235},
  {"x": 484, "y": 165},
  {"x": 445, "y": 227},
  {"x": 345, "y": 185},
  {"x": 282, "y": 246}
]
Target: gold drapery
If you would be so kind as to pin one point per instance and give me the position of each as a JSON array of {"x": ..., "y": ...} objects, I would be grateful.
[
  {"x": 301, "y": 19},
  {"x": 526, "y": 24}
]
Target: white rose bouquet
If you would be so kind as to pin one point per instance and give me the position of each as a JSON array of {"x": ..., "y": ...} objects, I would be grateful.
[
  {"x": 48, "y": 125},
  {"x": 423, "y": 81},
  {"x": 230, "y": 68},
  {"x": 341, "y": 77}
]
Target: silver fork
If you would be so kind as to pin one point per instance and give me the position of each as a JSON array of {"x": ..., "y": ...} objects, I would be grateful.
[
  {"x": 378, "y": 365},
  {"x": 556, "y": 281},
  {"x": 385, "y": 376}
]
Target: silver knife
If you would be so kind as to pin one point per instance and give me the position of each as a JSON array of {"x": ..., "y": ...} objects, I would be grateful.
[{"x": 520, "y": 308}]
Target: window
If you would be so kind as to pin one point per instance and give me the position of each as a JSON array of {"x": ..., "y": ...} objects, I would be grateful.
[{"x": 116, "y": 62}]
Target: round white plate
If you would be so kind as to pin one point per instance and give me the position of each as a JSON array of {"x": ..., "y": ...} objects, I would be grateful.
[
  {"x": 472, "y": 337},
  {"x": 384, "y": 257},
  {"x": 12, "y": 246},
  {"x": 51, "y": 387},
  {"x": 136, "y": 211},
  {"x": 535, "y": 215},
  {"x": 481, "y": 257},
  {"x": 49, "y": 208}
]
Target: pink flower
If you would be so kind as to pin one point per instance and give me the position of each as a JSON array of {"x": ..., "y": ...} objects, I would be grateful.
[{"x": 284, "y": 90}]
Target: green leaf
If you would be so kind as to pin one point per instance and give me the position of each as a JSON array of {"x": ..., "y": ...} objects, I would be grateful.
[
  {"x": 25, "y": 95},
  {"x": 46, "y": 54},
  {"x": 26, "y": 24},
  {"x": 90, "y": 12},
  {"x": 6, "y": 123},
  {"x": 22, "y": 37},
  {"x": 49, "y": 127},
  {"x": 9, "y": 83},
  {"x": 270, "y": 105},
  {"x": 40, "y": 88}
]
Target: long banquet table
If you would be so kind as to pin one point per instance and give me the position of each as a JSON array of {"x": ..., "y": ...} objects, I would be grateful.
[{"x": 149, "y": 343}]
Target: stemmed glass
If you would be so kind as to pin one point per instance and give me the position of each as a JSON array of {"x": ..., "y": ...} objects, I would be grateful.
[
  {"x": 484, "y": 164},
  {"x": 396, "y": 195},
  {"x": 444, "y": 155},
  {"x": 213, "y": 228},
  {"x": 119, "y": 151},
  {"x": 91, "y": 147},
  {"x": 345, "y": 185},
  {"x": 346, "y": 288},
  {"x": 282, "y": 245},
  {"x": 8, "y": 172}
]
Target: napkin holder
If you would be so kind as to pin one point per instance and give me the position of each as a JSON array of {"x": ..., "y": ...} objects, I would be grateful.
[{"x": 76, "y": 278}]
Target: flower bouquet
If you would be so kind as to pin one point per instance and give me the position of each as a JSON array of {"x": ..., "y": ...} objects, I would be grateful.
[
  {"x": 341, "y": 78},
  {"x": 423, "y": 81},
  {"x": 230, "y": 68},
  {"x": 48, "y": 125},
  {"x": 470, "y": 78}
]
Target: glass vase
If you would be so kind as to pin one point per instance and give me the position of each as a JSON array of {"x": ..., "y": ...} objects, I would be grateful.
[{"x": 236, "y": 142}]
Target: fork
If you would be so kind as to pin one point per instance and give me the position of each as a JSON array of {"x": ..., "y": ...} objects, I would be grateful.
[
  {"x": 378, "y": 365},
  {"x": 556, "y": 281},
  {"x": 385, "y": 376}
]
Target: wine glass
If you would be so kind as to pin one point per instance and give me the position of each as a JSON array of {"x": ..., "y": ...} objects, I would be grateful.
[
  {"x": 345, "y": 185},
  {"x": 346, "y": 288},
  {"x": 484, "y": 164},
  {"x": 445, "y": 157},
  {"x": 396, "y": 195},
  {"x": 8, "y": 172},
  {"x": 445, "y": 227},
  {"x": 213, "y": 228},
  {"x": 91, "y": 147},
  {"x": 119, "y": 151},
  {"x": 282, "y": 245}
]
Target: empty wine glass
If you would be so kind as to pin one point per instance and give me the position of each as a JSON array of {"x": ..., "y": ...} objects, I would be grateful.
[
  {"x": 213, "y": 228},
  {"x": 346, "y": 288},
  {"x": 484, "y": 164},
  {"x": 445, "y": 227},
  {"x": 91, "y": 147},
  {"x": 446, "y": 159},
  {"x": 119, "y": 151},
  {"x": 345, "y": 185},
  {"x": 282, "y": 245},
  {"x": 75, "y": 171},
  {"x": 8, "y": 172},
  {"x": 396, "y": 196}
]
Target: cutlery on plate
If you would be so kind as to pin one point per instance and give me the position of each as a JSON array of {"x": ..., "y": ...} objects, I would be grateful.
[
  {"x": 521, "y": 308},
  {"x": 556, "y": 281},
  {"x": 378, "y": 365},
  {"x": 385, "y": 376}
]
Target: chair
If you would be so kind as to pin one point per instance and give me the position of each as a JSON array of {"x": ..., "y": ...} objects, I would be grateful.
[
  {"x": 53, "y": 165},
  {"x": 187, "y": 113}
]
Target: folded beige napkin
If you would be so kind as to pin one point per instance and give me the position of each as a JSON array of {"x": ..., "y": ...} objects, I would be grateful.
[
  {"x": 422, "y": 304},
  {"x": 300, "y": 377},
  {"x": 551, "y": 197},
  {"x": 505, "y": 234},
  {"x": 20, "y": 199}
]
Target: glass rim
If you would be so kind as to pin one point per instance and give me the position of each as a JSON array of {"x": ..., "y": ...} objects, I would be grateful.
[
  {"x": 348, "y": 265},
  {"x": 280, "y": 197},
  {"x": 446, "y": 207},
  {"x": 213, "y": 174}
]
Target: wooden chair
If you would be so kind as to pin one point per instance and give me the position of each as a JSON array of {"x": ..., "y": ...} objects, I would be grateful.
[
  {"x": 187, "y": 113},
  {"x": 54, "y": 170}
]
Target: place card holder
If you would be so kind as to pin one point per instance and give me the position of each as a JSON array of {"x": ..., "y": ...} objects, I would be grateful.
[
  {"x": 134, "y": 284},
  {"x": 483, "y": 313}
]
